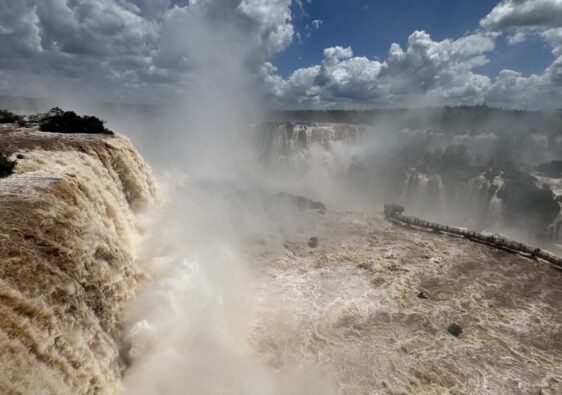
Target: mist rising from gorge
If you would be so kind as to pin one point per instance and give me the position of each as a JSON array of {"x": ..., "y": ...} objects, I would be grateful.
[{"x": 266, "y": 265}]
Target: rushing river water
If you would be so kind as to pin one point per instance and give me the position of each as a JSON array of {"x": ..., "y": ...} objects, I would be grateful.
[
  {"x": 244, "y": 302},
  {"x": 232, "y": 285}
]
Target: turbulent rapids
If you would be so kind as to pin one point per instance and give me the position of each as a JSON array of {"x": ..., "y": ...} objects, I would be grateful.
[
  {"x": 281, "y": 278},
  {"x": 67, "y": 227}
]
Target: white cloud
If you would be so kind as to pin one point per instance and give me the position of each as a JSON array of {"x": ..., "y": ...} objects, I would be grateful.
[
  {"x": 535, "y": 91},
  {"x": 134, "y": 44},
  {"x": 542, "y": 18},
  {"x": 273, "y": 18},
  {"x": 525, "y": 17},
  {"x": 126, "y": 49},
  {"x": 555, "y": 73},
  {"x": 89, "y": 39},
  {"x": 554, "y": 38},
  {"x": 517, "y": 37},
  {"x": 428, "y": 66},
  {"x": 427, "y": 72},
  {"x": 343, "y": 76},
  {"x": 317, "y": 23},
  {"x": 510, "y": 13}
]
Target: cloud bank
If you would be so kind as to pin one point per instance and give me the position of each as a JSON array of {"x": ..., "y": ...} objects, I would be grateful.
[
  {"x": 426, "y": 72},
  {"x": 429, "y": 72},
  {"x": 126, "y": 48},
  {"x": 151, "y": 51}
]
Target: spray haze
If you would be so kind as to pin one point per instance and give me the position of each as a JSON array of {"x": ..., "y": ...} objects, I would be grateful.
[
  {"x": 189, "y": 331},
  {"x": 263, "y": 265}
]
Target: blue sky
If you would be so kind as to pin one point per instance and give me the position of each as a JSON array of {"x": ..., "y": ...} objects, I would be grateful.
[
  {"x": 298, "y": 53},
  {"x": 371, "y": 26}
]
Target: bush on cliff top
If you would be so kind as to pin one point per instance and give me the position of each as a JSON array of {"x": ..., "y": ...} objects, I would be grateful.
[
  {"x": 59, "y": 121},
  {"x": 6, "y": 166},
  {"x": 9, "y": 117}
]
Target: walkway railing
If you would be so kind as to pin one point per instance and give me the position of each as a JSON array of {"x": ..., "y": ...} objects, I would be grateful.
[{"x": 394, "y": 212}]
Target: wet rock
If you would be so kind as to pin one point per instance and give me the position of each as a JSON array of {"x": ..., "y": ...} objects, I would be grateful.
[
  {"x": 454, "y": 329},
  {"x": 313, "y": 242},
  {"x": 365, "y": 266}
]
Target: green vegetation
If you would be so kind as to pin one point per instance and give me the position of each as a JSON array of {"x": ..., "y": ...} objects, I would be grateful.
[
  {"x": 59, "y": 121},
  {"x": 6, "y": 166},
  {"x": 9, "y": 117}
]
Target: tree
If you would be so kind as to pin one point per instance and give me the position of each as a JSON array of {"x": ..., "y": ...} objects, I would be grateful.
[
  {"x": 59, "y": 121},
  {"x": 9, "y": 117}
]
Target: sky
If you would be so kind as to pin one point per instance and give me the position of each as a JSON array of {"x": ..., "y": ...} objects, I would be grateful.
[{"x": 298, "y": 53}]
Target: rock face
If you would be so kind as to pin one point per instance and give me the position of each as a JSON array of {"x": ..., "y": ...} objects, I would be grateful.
[{"x": 67, "y": 226}]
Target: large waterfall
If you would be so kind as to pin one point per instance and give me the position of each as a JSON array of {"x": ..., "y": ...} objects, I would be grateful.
[{"x": 67, "y": 227}]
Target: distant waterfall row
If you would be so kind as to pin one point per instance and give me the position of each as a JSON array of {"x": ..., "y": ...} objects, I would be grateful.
[
  {"x": 342, "y": 163},
  {"x": 476, "y": 200},
  {"x": 285, "y": 139}
]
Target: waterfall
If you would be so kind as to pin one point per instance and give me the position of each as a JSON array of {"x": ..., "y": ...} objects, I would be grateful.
[
  {"x": 286, "y": 139},
  {"x": 67, "y": 229},
  {"x": 423, "y": 192},
  {"x": 495, "y": 209}
]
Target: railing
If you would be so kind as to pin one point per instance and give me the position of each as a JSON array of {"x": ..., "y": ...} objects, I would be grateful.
[{"x": 394, "y": 212}]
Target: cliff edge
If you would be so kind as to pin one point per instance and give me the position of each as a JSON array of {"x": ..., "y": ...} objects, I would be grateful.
[{"x": 67, "y": 225}]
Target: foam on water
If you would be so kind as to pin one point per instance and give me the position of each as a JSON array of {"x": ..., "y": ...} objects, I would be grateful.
[{"x": 67, "y": 227}]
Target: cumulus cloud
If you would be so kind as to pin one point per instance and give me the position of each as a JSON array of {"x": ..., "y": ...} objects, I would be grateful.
[
  {"x": 273, "y": 18},
  {"x": 517, "y": 38},
  {"x": 525, "y": 17},
  {"x": 521, "y": 18},
  {"x": 343, "y": 76},
  {"x": 133, "y": 44},
  {"x": 510, "y": 13},
  {"x": 427, "y": 71},
  {"x": 430, "y": 66},
  {"x": 316, "y": 23},
  {"x": 153, "y": 49},
  {"x": 554, "y": 38}
]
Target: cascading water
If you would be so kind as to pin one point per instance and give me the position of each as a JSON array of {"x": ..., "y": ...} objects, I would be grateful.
[
  {"x": 317, "y": 156},
  {"x": 288, "y": 138},
  {"x": 67, "y": 228},
  {"x": 495, "y": 209}
]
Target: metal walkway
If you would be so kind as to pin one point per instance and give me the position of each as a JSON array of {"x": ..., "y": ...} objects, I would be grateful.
[{"x": 394, "y": 212}]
